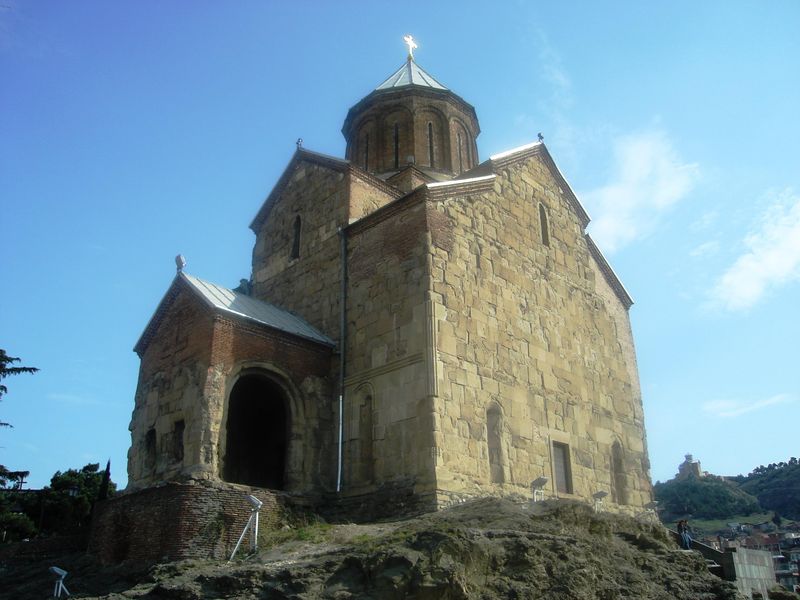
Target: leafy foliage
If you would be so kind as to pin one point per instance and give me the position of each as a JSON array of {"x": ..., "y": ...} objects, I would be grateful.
[
  {"x": 777, "y": 487},
  {"x": 6, "y": 371},
  {"x": 708, "y": 497},
  {"x": 64, "y": 507}
]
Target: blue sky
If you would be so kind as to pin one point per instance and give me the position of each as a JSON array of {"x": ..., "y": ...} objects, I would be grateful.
[{"x": 130, "y": 132}]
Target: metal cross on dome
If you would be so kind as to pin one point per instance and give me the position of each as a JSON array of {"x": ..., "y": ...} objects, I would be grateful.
[{"x": 411, "y": 45}]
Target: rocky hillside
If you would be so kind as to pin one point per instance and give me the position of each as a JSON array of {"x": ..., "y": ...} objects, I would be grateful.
[{"x": 483, "y": 549}]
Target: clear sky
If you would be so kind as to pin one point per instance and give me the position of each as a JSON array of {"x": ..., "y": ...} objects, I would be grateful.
[{"x": 130, "y": 132}]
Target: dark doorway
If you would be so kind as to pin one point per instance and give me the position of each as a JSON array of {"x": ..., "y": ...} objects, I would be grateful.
[{"x": 257, "y": 433}]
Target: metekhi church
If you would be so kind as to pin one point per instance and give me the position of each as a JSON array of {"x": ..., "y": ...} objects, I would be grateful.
[{"x": 420, "y": 327}]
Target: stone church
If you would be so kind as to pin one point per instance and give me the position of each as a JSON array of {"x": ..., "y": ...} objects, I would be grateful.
[{"x": 419, "y": 326}]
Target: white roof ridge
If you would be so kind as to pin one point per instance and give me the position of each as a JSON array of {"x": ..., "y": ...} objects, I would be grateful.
[
  {"x": 437, "y": 184},
  {"x": 505, "y": 153}
]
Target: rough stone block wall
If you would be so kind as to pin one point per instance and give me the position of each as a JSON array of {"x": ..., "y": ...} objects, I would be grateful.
[
  {"x": 309, "y": 284},
  {"x": 365, "y": 197},
  {"x": 176, "y": 521},
  {"x": 522, "y": 328}
]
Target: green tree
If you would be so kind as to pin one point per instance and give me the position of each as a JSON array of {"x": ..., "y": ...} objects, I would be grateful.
[
  {"x": 6, "y": 370},
  {"x": 66, "y": 504},
  {"x": 707, "y": 497}
]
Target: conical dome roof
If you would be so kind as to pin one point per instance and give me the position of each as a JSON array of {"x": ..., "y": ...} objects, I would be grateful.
[{"x": 410, "y": 73}]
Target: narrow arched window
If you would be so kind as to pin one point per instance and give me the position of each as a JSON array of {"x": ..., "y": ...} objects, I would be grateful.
[
  {"x": 296, "y": 242},
  {"x": 150, "y": 449},
  {"x": 366, "y": 152},
  {"x": 396, "y": 146},
  {"x": 460, "y": 154},
  {"x": 430, "y": 144},
  {"x": 494, "y": 441},
  {"x": 544, "y": 225},
  {"x": 619, "y": 483}
]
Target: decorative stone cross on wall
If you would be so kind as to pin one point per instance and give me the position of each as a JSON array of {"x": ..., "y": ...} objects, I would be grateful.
[{"x": 411, "y": 45}]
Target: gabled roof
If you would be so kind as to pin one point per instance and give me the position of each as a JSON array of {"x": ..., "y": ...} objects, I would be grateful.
[
  {"x": 504, "y": 159},
  {"x": 331, "y": 162},
  {"x": 410, "y": 73},
  {"x": 221, "y": 300}
]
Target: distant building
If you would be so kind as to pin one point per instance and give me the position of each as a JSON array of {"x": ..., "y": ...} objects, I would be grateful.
[{"x": 690, "y": 468}]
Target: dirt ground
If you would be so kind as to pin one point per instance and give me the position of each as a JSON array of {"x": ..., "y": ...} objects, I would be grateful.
[{"x": 484, "y": 549}]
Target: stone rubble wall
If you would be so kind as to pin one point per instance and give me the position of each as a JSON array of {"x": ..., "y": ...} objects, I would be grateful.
[
  {"x": 172, "y": 377},
  {"x": 530, "y": 330}
]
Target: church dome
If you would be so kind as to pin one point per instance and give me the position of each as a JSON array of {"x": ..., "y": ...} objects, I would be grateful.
[{"x": 412, "y": 119}]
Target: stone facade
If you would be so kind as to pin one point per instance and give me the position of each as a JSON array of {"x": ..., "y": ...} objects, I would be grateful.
[{"x": 472, "y": 332}]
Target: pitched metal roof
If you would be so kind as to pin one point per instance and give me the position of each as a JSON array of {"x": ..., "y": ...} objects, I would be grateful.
[
  {"x": 410, "y": 73},
  {"x": 225, "y": 300}
]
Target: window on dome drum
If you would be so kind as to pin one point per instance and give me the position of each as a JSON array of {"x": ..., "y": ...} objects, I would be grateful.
[
  {"x": 460, "y": 154},
  {"x": 561, "y": 468},
  {"x": 296, "y": 242},
  {"x": 396, "y": 146},
  {"x": 544, "y": 225},
  {"x": 430, "y": 144},
  {"x": 366, "y": 152}
]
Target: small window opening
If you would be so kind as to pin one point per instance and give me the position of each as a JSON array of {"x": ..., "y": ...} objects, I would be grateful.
[
  {"x": 561, "y": 468},
  {"x": 366, "y": 152},
  {"x": 430, "y": 144},
  {"x": 150, "y": 449},
  {"x": 460, "y": 154},
  {"x": 296, "y": 241},
  {"x": 396, "y": 146},
  {"x": 177, "y": 440},
  {"x": 494, "y": 437},
  {"x": 544, "y": 225},
  {"x": 619, "y": 484}
]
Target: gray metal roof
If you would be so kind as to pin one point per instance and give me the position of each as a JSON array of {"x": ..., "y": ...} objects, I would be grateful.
[
  {"x": 228, "y": 301},
  {"x": 410, "y": 74}
]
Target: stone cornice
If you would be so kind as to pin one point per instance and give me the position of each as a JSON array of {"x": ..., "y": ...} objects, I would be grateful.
[
  {"x": 609, "y": 274},
  {"x": 516, "y": 155}
]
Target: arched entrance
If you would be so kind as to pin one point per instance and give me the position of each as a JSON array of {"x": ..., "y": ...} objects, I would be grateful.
[{"x": 257, "y": 433}]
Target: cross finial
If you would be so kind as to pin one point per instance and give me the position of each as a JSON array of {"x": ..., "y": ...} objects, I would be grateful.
[{"x": 411, "y": 45}]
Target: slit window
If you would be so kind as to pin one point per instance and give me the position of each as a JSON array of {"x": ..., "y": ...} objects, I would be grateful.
[
  {"x": 561, "y": 468},
  {"x": 460, "y": 154},
  {"x": 296, "y": 241},
  {"x": 544, "y": 224},
  {"x": 430, "y": 144},
  {"x": 396, "y": 146},
  {"x": 366, "y": 152}
]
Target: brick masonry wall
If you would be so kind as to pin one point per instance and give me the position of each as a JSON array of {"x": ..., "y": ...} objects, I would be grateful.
[
  {"x": 530, "y": 330},
  {"x": 386, "y": 353},
  {"x": 175, "y": 521},
  {"x": 412, "y": 112},
  {"x": 302, "y": 369},
  {"x": 190, "y": 379}
]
